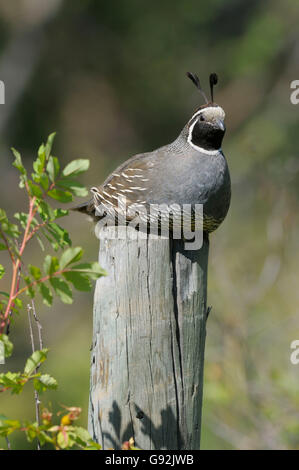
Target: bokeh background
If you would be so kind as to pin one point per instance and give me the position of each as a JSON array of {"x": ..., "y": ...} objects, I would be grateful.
[{"x": 109, "y": 77}]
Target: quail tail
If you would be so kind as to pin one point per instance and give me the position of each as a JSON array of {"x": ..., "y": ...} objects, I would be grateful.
[{"x": 85, "y": 208}]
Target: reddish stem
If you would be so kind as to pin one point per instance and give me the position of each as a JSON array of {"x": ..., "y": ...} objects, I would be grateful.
[
  {"x": 17, "y": 264},
  {"x": 39, "y": 281},
  {"x": 13, "y": 304},
  {"x": 14, "y": 290},
  {"x": 8, "y": 247},
  {"x": 36, "y": 228}
]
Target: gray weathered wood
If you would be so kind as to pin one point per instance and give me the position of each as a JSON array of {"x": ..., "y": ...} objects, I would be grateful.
[{"x": 148, "y": 344}]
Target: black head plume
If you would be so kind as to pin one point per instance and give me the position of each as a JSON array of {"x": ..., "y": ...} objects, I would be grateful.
[
  {"x": 194, "y": 78},
  {"x": 213, "y": 82}
]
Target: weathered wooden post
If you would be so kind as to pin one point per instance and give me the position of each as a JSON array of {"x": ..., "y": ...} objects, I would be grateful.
[{"x": 148, "y": 344}]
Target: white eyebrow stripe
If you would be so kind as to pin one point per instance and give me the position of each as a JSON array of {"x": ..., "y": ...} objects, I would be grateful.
[{"x": 202, "y": 110}]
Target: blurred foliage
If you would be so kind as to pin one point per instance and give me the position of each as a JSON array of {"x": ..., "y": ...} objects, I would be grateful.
[
  {"x": 110, "y": 77},
  {"x": 59, "y": 276}
]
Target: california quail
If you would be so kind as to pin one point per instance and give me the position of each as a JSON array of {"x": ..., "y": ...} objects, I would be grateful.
[{"x": 191, "y": 170}]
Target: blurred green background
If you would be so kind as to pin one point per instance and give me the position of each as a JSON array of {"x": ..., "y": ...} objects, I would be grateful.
[{"x": 109, "y": 77}]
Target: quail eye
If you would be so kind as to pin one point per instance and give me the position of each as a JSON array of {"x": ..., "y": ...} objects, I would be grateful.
[{"x": 202, "y": 118}]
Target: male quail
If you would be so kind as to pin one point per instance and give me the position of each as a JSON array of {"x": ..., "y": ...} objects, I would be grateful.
[{"x": 191, "y": 170}]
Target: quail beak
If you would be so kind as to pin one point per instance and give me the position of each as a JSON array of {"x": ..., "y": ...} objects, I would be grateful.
[{"x": 220, "y": 124}]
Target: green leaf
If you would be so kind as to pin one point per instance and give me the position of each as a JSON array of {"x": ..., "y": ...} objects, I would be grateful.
[
  {"x": 60, "y": 213},
  {"x": 2, "y": 247},
  {"x": 82, "y": 433},
  {"x": 62, "y": 289},
  {"x": 79, "y": 281},
  {"x": 82, "y": 436},
  {"x": 35, "y": 271},
  {"x": 48, "y": 381},
  {"x": 49, "y": 144},
  {"x": 7, "y": 426},
  {"x": 47, "y": 264},
  {"x": 51, "y": 265},
  {"x": 10, "y": 229},
  {"x": 8, "y": 346},
  {"x": 32, "y": 431},
  {"x": 63, "y": 440},
  {"x": 41, "y": 152},
  {"x": 61, "y": 196},
  {"x": 2, "y": 271},
  {"x": 45, "y": 382},
  {"x": 54, "y": 244},
  {"x": 93, "y": 270},
  {"x": 74, "y": 186},
  {"x": 76, "y": 167},
  {"x": 18, "y": 162},
  {"x": 39, "y": 163},
  {"x": 30, "y": 291},
  {"x": 93, "y": 446},
  {"x": 18, "y": 302},
  {"x": 22, "y": 218},
  {"x": 45, "y": 211},
  {"x": 6, "y": 294},
  {"x": 35, "y": 360},
  {"x": 71, "y": 255},
  {"x": 35, "y": 190},
  {"x": 44, "y": 437},
  {"x": 12, "y": 380},
  {"x": 53, "y": 168},
  {"x": 44, "y": 181},
  {"x": 35, "y": 177},
  {"x": 59, "y": 234},
  {"x": 40, "y": 242},
  {"x": 46, "y": 294}
]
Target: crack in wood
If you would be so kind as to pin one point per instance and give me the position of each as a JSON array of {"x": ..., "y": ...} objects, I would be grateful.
[{"x": 180, "y": 418}]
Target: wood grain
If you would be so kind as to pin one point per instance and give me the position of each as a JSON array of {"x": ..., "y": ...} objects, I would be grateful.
[{"x": 148, "y": 344}]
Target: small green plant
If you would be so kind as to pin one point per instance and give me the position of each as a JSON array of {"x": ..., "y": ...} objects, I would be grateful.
[
  {"x": 61, "y": 435},
  {"x": 58, "y": 276}
]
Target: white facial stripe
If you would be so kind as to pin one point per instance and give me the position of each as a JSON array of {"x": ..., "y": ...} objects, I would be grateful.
[
  {"x": 213, "y": 110},
  {"x": 198, "y": 113},
  {"x": 196, "y": 147}
]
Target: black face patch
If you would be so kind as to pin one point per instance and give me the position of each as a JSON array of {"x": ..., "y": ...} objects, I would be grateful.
[{"x": 206, "y": 136}]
